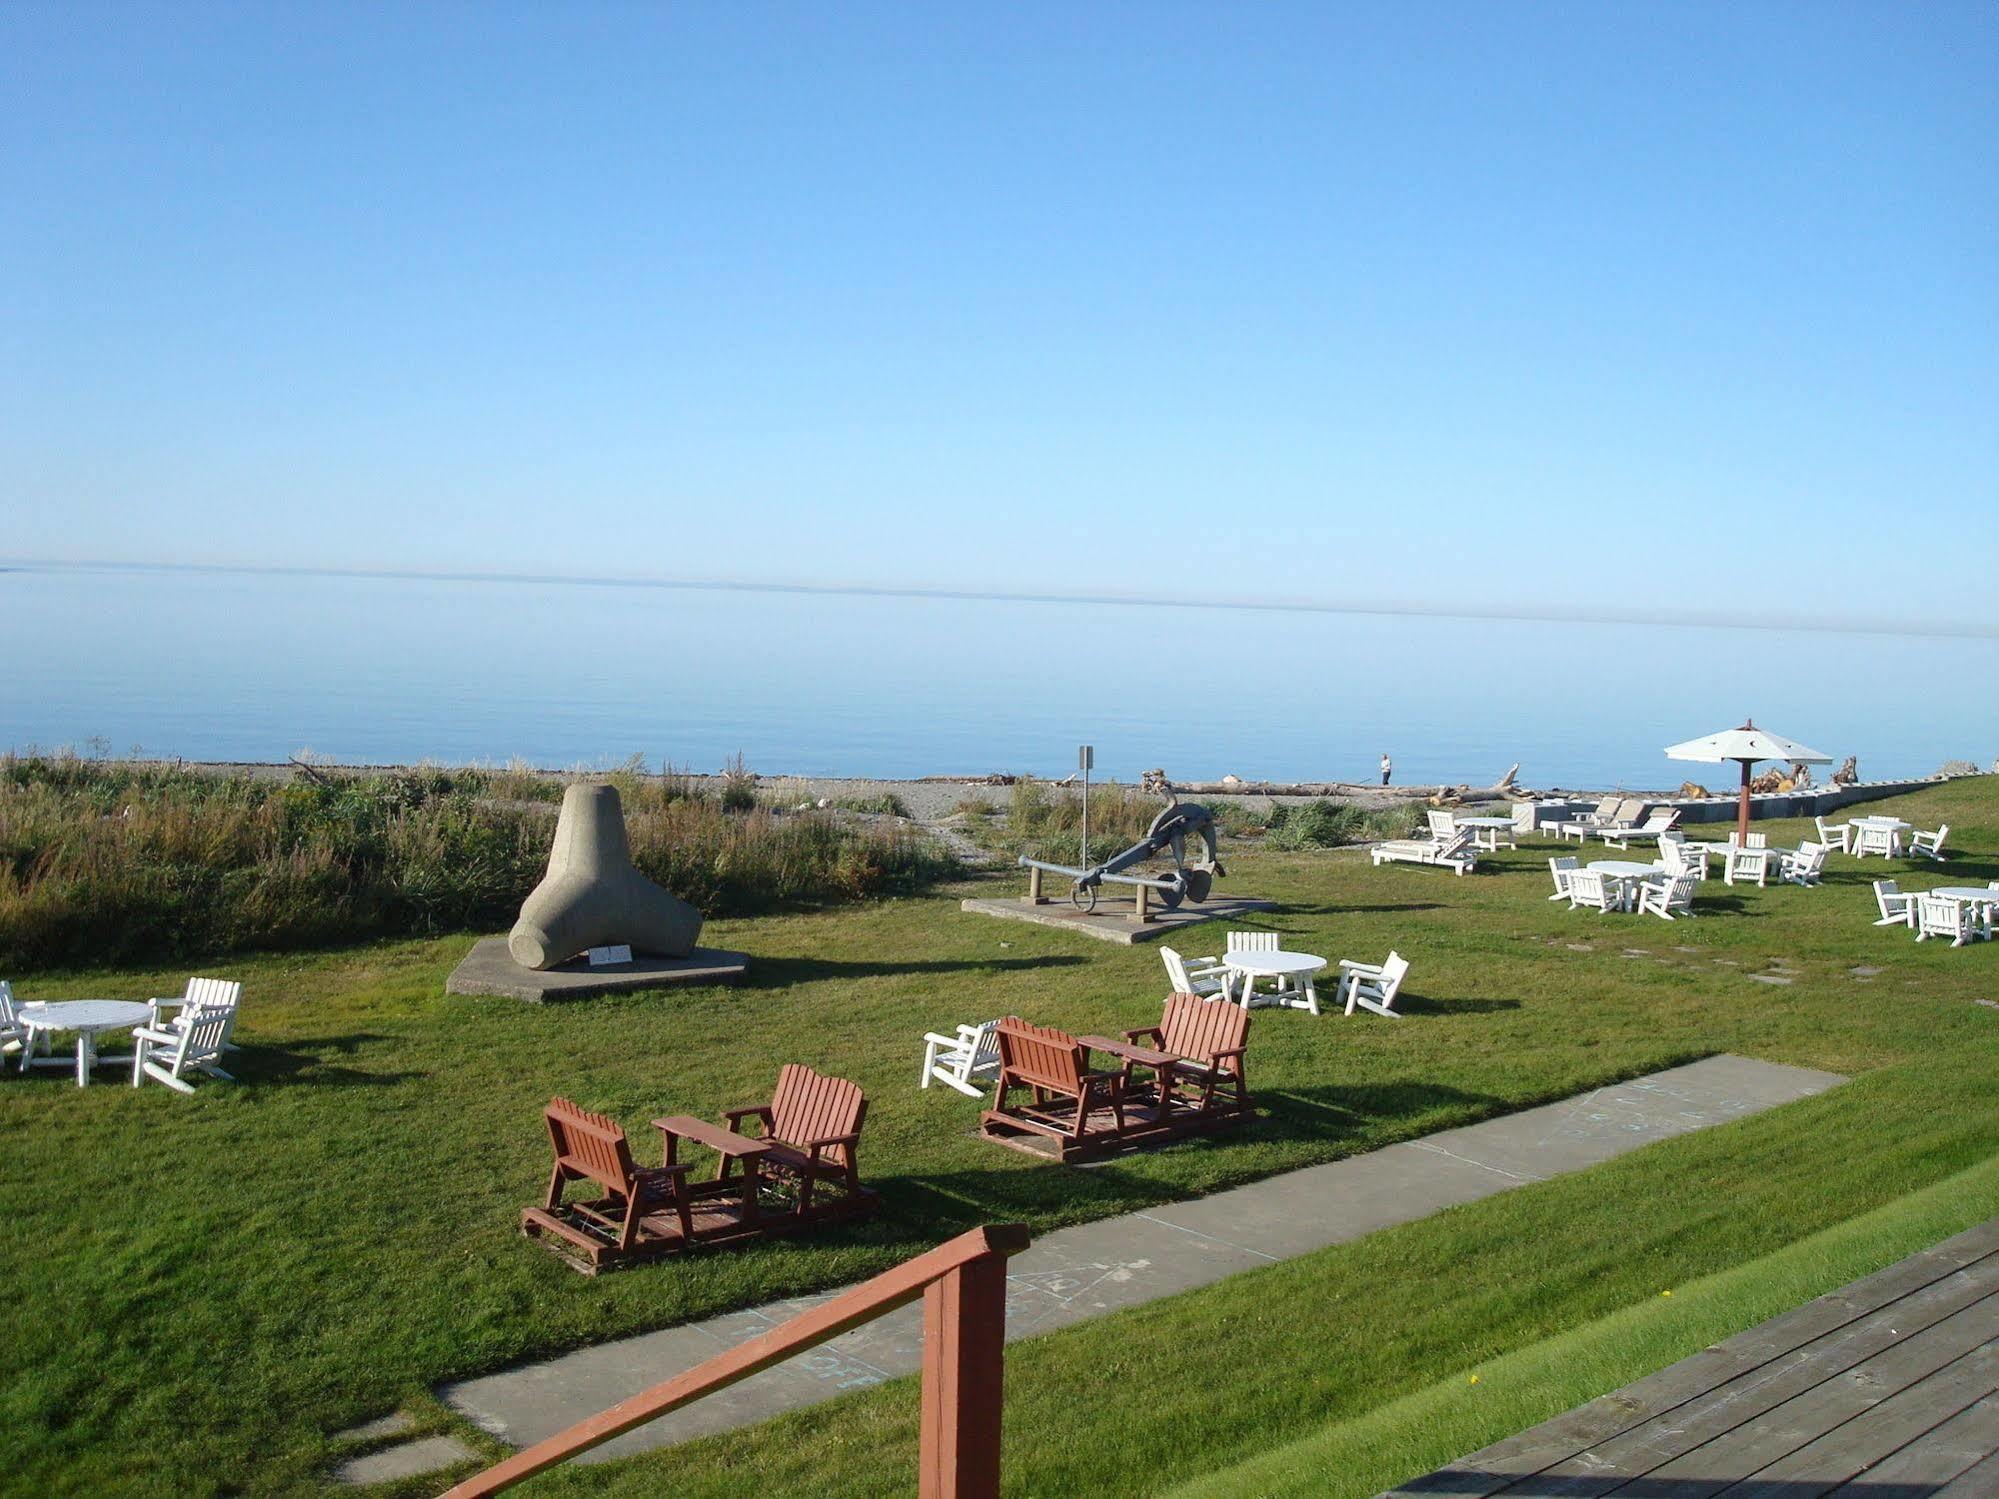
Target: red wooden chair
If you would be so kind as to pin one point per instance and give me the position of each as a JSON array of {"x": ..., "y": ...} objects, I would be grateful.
[
  {"x": 590, "y": 1147},
  {"x": 1206, "y": 1041},
  {"x": 1053, "y": 1066},
  {"x": 812, "y": 1130}
]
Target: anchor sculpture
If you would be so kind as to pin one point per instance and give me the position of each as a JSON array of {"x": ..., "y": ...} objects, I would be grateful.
[
  {"x": 1177, "y": 822},
  {"x": 592, "y": 895}
]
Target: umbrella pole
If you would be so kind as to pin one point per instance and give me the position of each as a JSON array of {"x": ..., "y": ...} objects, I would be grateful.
[{"x": 1742, "y": 811}]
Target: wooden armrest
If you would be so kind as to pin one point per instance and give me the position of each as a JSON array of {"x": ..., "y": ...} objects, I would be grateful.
[
  {"x": 646, "y": 1174},
  {"x": 1151, "y": 1030},
  {"x": 1225, "y": 1052},
  {"x": 761, "y": 1110},
  {"x": 815, "y": 1146}
]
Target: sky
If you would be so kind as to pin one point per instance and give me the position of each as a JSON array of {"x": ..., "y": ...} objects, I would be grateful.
[{"x": 1675, "y": 308}]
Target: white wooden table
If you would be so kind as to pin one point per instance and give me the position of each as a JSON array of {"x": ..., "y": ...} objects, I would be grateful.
[
  {"x": 1629, "y": 874},
  {"x": 1487, "y": 831},
  {"x": 1296, "y": 966},
  {"x": 84, "y": 1016}
]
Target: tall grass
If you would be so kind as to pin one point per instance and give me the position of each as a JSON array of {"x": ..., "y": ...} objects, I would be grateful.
[
  {"x": 102, "y": 863},
  {"x": 1329, "y": 824}
]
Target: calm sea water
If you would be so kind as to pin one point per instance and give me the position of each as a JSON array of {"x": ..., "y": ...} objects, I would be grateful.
[{"x": 257, "y": 667}]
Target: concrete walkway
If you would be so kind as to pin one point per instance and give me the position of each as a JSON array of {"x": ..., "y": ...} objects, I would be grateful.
[{"x": 1075, "y": 1274}]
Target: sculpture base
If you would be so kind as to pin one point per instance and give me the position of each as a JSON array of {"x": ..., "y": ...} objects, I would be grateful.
[
  {"x": 1115, "y": 919},
  {"x": 490, "y": 969}
]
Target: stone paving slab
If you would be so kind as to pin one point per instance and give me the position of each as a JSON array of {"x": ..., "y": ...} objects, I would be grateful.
[
  {"x": 410, "y": 1460},
  {"x": 1075, "y": 1274}
]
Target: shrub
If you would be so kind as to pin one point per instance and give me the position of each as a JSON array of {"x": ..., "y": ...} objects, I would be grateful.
[
  {"x": 101, "y": 863},
  {"x": 1329, "y": 824}
]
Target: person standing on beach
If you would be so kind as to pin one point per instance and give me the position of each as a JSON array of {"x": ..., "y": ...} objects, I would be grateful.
[{"x": 1387, "y": 768}]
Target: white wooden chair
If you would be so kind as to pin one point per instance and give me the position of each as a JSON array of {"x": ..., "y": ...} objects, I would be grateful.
[
  {"x": 1371, "y": 986},
  {"x": 1668, "y": 898},
  {"x": 1455, "y": 853},
  {"x": 194, "y": 1043},
  {"x": 1806, "y": 866},
  {"x": 1872, "y": 838},
  {"x": 1561, "y": 869},
  {"x": 1684, "y": 856},
  {"x": 1837, "y": 835},
  {"x": 12, "y": 1032},
  {"x": 1940, "y": 916},
  {"x": 1588, "y": 887},
  {"x": 1282, "y": 989},
  {"x": 202, "y": 994},
  {"x": 1747, "y": 861},
  {"x": 1208, "y": 977},
  {"x": 958, "y": 1061},
  {"x": 1897, "y": 909},
  {"x": 1929, "y": 844}
]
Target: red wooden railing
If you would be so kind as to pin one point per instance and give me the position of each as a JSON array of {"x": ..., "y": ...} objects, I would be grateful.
[{"x": 963, "y": 1286}]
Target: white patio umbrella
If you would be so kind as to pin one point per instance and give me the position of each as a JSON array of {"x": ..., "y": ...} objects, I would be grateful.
[{"x": 1747, "y": 744}]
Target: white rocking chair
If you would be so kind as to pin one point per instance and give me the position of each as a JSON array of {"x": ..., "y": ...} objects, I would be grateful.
[
  {"x": 1588, "y": 887},
  {"x": 958, "y": 1061},
  {"x": 1837, "y": 835},
  {"x": 194, "y": 1044},
  {"x": 202, "y": 994},
  {"x": 1806, "y": 865},
  {"x": 1282, "y": 990},
  {"x": 1669, "y": 898},
  {"x": 1561, "y": 869},
  {"x": 1940, "y": 916},
  {"x": 1373, "y": 986}
]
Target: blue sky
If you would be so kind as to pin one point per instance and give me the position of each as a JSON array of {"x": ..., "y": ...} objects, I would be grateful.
[{"x": 1656, "y": 307}]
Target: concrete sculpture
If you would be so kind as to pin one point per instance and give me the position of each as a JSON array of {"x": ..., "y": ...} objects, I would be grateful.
[{"x": 593, "y": 897}]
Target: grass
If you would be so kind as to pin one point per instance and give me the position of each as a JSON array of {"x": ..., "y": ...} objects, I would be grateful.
[
  {"x": 205, "y": 1287},
  {"x": 103, "y": 862}
]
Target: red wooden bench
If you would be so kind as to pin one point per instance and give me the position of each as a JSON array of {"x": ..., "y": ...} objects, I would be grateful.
[
  {"x": 1206, "y": 1040},
  {"x": 1067, "y": 1101},
  {"x": 630, "y": 1220},
  {"x": 811, "y": 1135}
]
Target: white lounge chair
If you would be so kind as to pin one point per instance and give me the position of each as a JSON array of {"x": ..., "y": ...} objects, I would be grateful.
[
  {"x": 1940, "y": 916},
  {"x": 195, "y": 1043},
  {"x": 1588, "y": 887},
  {"x": 12, "y": 1032},
  {"x": 1581, "y": 826},
  {"x": 957, "y": 1061},
  {"x": 1373, "y": 986},
  {"x": 1897, "y": 909},
  {"x": 1837, "y": 835},
  {"x": 1656, "y": 825},
  {"x": 1806, "y": 865},
  {"x": 1208, "y": 977},
  {"x": 1667, "y": 898},
  {"x": 1930, "y": 844},
  {"x": 1455, "y": 852},
  {"x": 1561, "y": 869}
]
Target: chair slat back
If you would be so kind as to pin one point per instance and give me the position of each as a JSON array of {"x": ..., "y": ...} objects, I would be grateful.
[
  {"x": 204, "y": 1036},
  {"x": 1252, "y": 942},
  {"x": 1940, "y": 916},
  {"x": 1176, "y": 971},
  {"x": 591, "y": 1145},
  {"x": 1561, "y": 869},
  {"x": 211, "y": 994},
  {"x": 1442, "y": 824},
  {"x": 1196, "y": 1028},
  {"x": 1604, "y": 808},
  {"x": 808, "y": 1106},
  {"x": 1393, "y": 972},
  {"x": 1041, "y": 1055},
  {"x": 7, "y": 1015},
  {"x": 1586, "y": 886}
]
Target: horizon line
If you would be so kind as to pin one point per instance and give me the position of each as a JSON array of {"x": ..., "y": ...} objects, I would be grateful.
[{"x": 1547, "y": 614}]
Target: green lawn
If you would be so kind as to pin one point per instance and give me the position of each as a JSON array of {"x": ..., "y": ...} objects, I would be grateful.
[{"x": 203, "y": 1288}]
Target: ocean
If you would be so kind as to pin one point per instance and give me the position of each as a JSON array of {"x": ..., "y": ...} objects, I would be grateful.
[{"x": 380, "y": 670}]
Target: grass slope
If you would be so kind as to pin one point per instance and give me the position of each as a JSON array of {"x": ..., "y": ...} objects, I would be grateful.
[{"x": 202, "y": 1288}]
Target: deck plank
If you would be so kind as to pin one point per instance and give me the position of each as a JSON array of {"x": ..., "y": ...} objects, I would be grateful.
[{"x": 1768, "y": 1392}]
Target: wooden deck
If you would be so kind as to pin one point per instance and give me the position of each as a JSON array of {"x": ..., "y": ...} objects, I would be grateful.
[{"x": 1885, "y": 1389}]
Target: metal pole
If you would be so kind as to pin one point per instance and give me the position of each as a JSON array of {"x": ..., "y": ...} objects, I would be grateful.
[{"x": 1086, "y": 756}]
